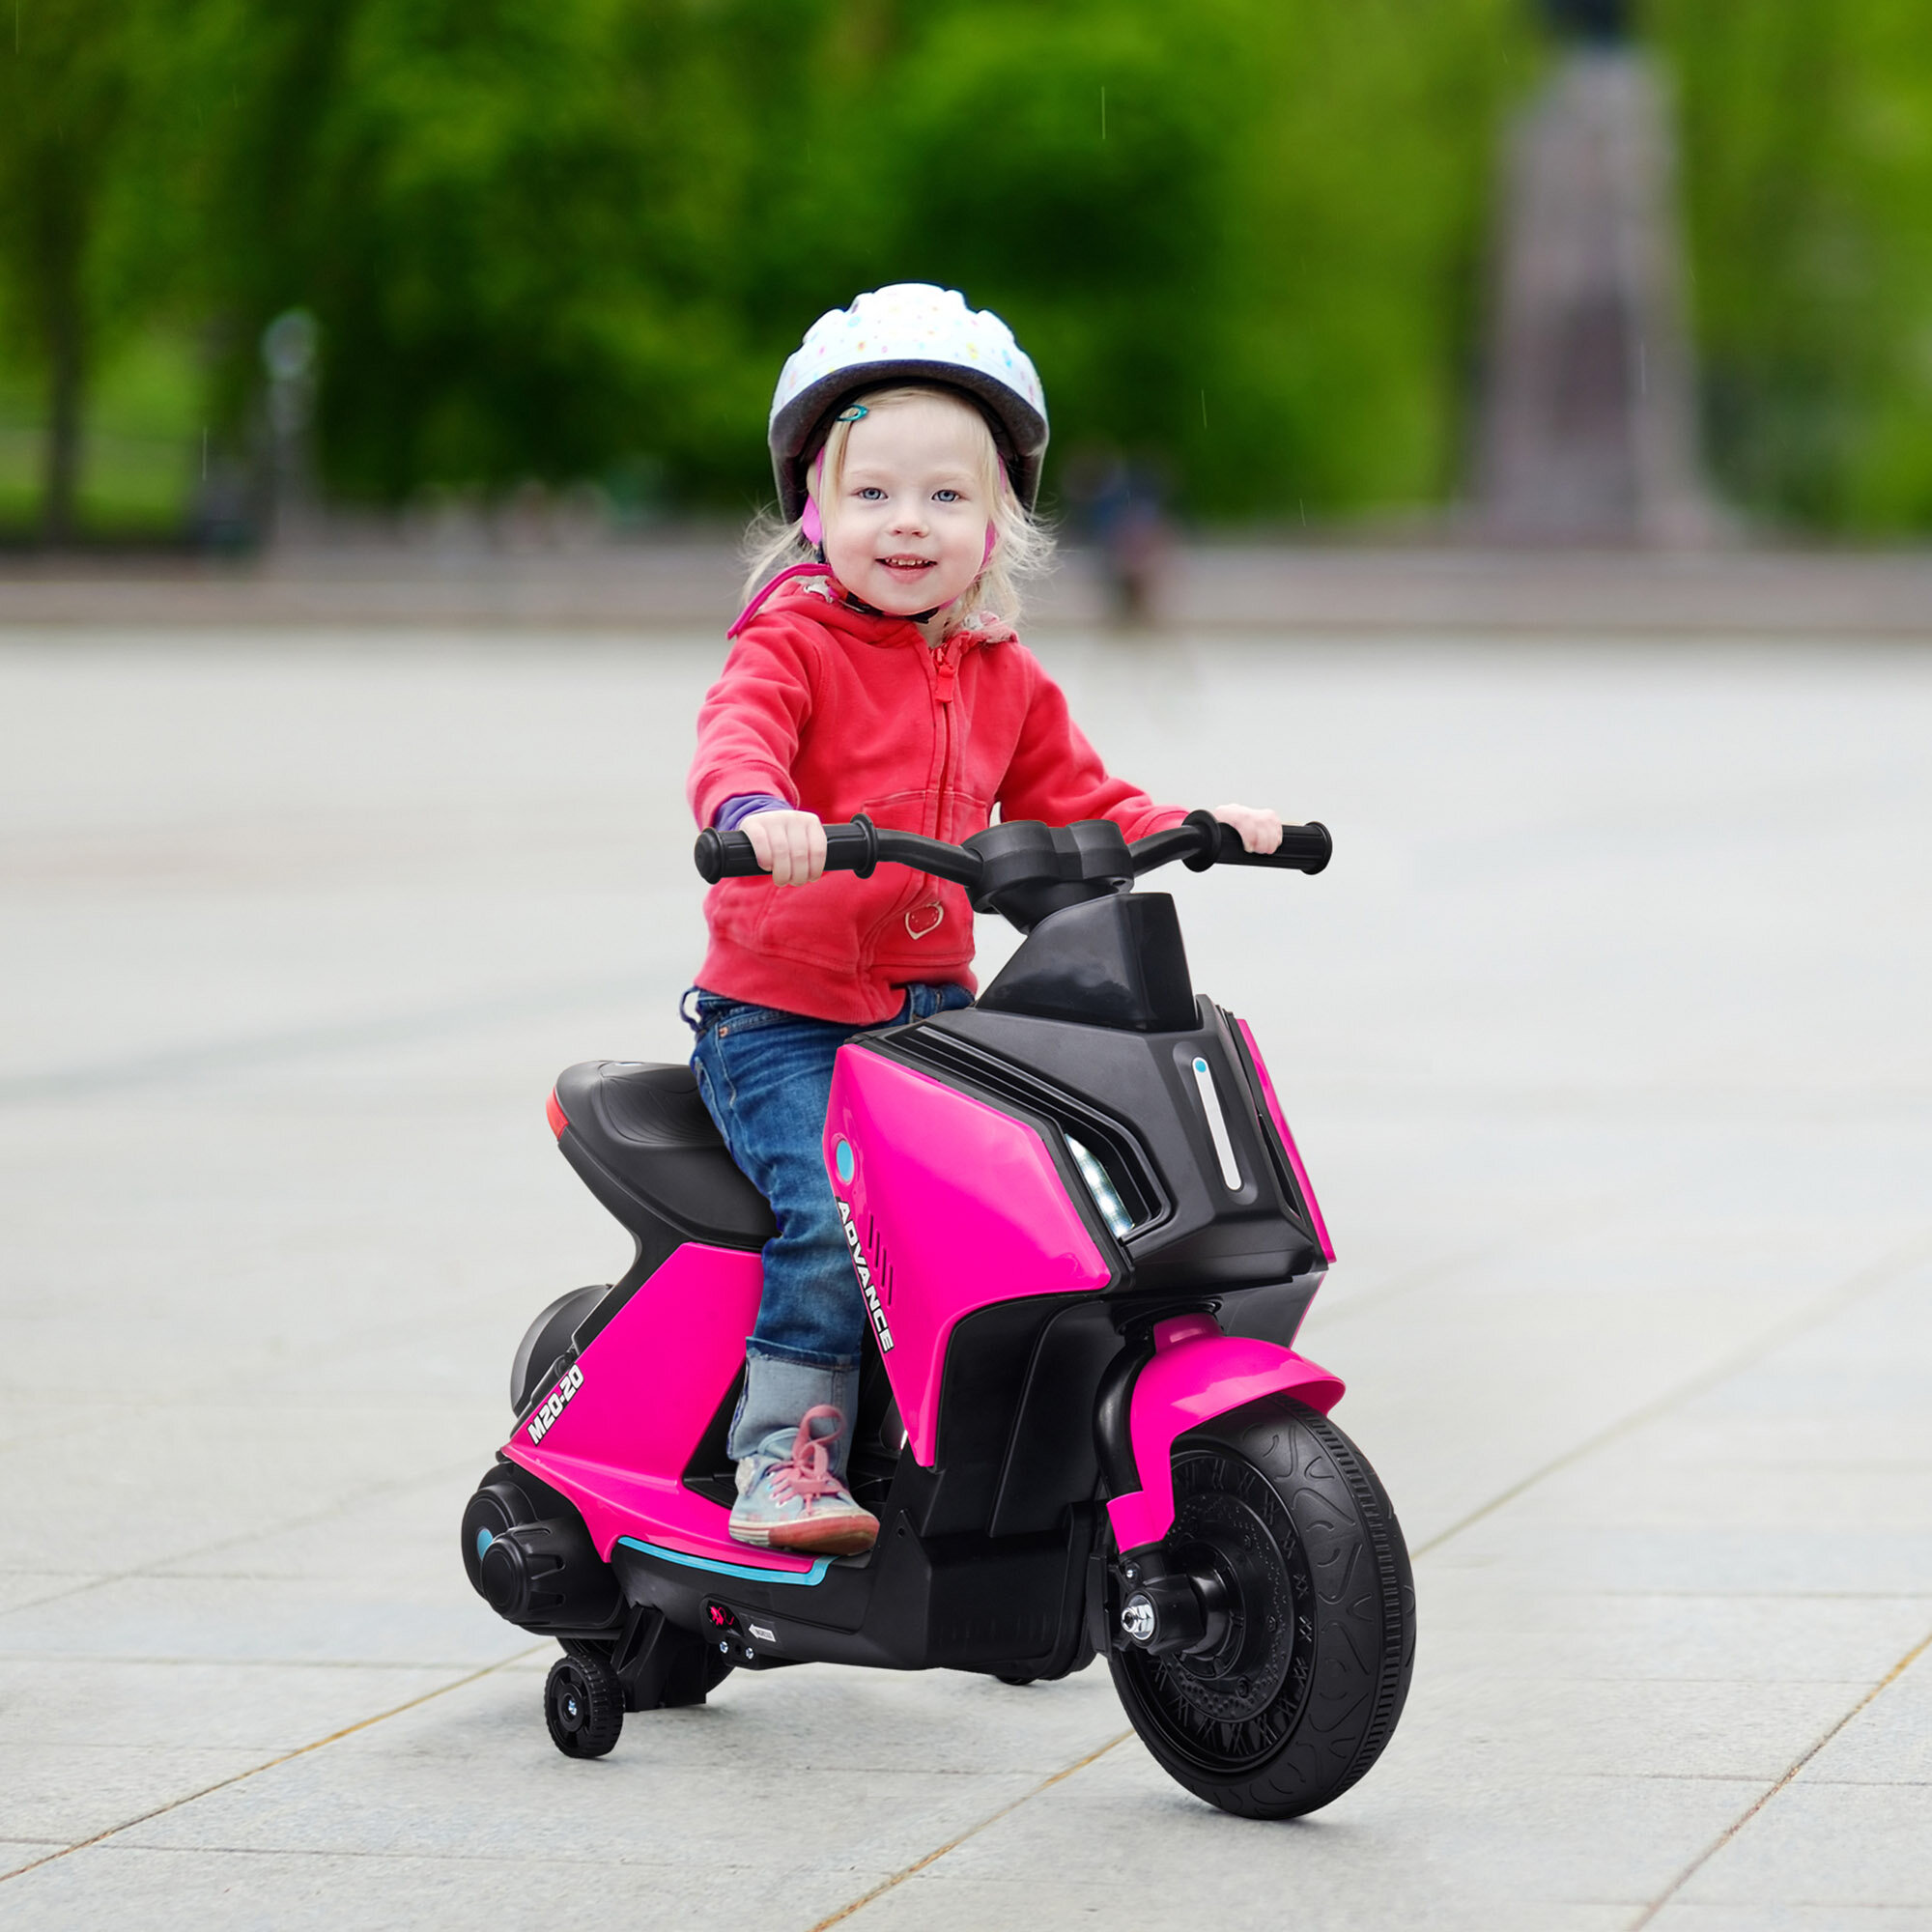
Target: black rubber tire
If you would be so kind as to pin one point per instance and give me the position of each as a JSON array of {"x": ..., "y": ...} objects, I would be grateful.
[
  {"x": 583, "y": 1705},
  {"x": 1300, "y": 1703},
  {"x": 1017, "y": 1682}
]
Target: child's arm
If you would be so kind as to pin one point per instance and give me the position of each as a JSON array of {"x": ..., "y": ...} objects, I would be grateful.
[{"x": 748, "y": 737}]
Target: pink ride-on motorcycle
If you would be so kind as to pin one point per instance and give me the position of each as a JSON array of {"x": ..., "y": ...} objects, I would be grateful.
[{"x": 1086, "y": 1241}]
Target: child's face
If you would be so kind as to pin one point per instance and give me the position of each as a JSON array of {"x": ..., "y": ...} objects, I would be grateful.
[{"x": 908, "y": 531}]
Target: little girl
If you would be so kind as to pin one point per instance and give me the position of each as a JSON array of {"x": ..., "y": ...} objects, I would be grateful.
[{"x": 879, "y": 673}]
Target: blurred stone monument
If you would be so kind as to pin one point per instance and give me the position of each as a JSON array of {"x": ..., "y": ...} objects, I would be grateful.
[{"x": 1588, "y": 428}]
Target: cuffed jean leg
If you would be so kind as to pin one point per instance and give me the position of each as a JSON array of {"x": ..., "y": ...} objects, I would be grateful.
[{"x": 766, "y": 1078}]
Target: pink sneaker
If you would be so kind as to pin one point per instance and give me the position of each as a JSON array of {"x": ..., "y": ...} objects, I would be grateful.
[{"x": 796, "y": 1502}]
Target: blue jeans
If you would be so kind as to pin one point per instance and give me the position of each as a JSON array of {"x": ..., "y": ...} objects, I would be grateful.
[{"x": 766, "y": 1076}]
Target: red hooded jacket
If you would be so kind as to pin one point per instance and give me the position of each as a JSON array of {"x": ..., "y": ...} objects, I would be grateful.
[{"x": 842, "y": 713}]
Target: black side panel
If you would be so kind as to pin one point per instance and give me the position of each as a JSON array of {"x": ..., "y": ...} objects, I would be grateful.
[
  {"x": 986, "y": 1365},
  {"x": 1050, "y": 1456},
  {"x": 915, "y": 1603},
  {"x": 711, "y": 1473},
  {"x": 1271, "y": 1312}
]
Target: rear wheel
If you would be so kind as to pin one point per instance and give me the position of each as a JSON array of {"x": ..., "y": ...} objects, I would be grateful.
[{"x": 1292, "y": 1701}]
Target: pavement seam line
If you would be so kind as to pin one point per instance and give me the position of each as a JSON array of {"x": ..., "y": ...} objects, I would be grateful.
[
  {"x": 286, "y": 1757},
  {"x": 1877, "y": 1274},
  {"x": 934, "y": 1857},
  {"x": 1750, "y": 1811}
]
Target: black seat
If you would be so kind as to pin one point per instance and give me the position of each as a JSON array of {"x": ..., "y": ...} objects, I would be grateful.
[{"x": 641, "y": 1139}]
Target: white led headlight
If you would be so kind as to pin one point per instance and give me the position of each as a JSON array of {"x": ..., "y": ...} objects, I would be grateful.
[{"x": 1106, "y": 1196}]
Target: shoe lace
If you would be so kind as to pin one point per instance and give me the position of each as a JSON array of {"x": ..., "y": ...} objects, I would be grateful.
[{"x": 808, "y": 1472}]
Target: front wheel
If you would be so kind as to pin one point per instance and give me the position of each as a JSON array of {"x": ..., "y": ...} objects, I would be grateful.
[{"x": 1314, "y": 1632}]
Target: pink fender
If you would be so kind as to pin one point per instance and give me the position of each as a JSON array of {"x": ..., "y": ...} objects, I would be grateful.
[
  {"x": 1198, "y": 1373},
  {"x": 618, "y": 1442}
]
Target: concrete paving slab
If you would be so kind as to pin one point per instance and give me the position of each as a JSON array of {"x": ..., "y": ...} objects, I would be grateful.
[
  {"x": 1480, "y": 1722},
  {"x": 1889, "y": 1741},
  {"x": 17, "y": 1854},
  {"x": 1682, "y": 1915},
  {"x": 151, "y": 1706},
  {"x": 1698, "y": 1639},
  {"x": 1847, "y": 1846},
  {"x": 929, "y": 1904},
  {"x": 64, "y": 1793},
  {"x": 34, "y": 1586},
  {"x": 675, "y": 1787},
  {"x": 1386, "y": 1856},
  {"x": 355, "y": 1618},
  {"x": 95, "y": 1491},
  {"x": 186, "y": 1891}
]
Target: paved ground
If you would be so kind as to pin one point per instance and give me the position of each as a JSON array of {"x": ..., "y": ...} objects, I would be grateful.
[{"x": 1605, "y": 1037}]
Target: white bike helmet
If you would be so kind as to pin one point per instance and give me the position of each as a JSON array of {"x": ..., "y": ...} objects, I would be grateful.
[{"x": 914, "y": 332}]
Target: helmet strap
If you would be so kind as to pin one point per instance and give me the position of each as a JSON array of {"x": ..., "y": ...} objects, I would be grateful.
[{"x": 866, "y": 610}]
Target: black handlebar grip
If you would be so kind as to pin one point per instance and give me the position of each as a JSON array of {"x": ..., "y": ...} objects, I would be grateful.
[
  {"x": 1303, "y": 848},
  {"x": 724, "y": 855},
  {"x": 729, "y": 855}
]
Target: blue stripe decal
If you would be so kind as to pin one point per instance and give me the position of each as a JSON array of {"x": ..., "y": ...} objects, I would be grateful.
[{"x": 815, "y": 1574}]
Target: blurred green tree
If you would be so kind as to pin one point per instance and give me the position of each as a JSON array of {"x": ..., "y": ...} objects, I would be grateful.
[
  {"x": 547, "y": 239},
  {"x": 68, "y": 95},
  {"x": 540, "y": 239},
  {"x": 1808, "y": 168}
]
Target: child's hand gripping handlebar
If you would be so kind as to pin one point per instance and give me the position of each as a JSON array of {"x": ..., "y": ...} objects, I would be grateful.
[
  {"x": 1198, "y": 841},
  {"x": 857, "y": 847}
]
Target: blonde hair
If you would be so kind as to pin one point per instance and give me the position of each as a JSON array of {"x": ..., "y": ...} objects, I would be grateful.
[{"x": 1024, "y": 546}]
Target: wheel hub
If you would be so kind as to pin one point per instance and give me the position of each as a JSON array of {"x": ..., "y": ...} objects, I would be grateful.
[
  {"x": 1228, "y": 1546},
  {"x": 1237, "y": 1690}
]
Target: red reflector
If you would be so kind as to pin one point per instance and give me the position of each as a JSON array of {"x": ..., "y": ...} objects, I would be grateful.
[{"x": 558, "y": 1119}]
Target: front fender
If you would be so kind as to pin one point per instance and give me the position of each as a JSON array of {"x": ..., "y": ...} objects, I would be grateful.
[{"x": 1196, "y": 1374}]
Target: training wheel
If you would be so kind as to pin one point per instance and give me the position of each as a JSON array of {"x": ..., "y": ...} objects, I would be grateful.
[{"x": 583, "y": 1705}]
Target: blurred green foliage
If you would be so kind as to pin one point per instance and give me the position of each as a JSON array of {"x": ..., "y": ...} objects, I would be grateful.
[
  {"x": 1806, "y": 158},
  {"x": 576, "y": 238}
]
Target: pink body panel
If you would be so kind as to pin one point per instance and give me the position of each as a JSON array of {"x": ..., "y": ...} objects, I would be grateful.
[
  {"x": 651, "y": 1381},
  {"x": 1198, "y": 1373},
  {"x": 954, "y": 1205},
  {"x": 1288, "y": 1143}
]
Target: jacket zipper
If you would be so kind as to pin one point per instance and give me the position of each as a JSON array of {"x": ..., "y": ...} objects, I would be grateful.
[{"x": 944, "y": 667}]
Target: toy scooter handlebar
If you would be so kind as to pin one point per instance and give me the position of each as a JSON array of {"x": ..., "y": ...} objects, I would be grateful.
[
  {"x": 1198, "y": 841},
  {"x": 857, "y": 847}
]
